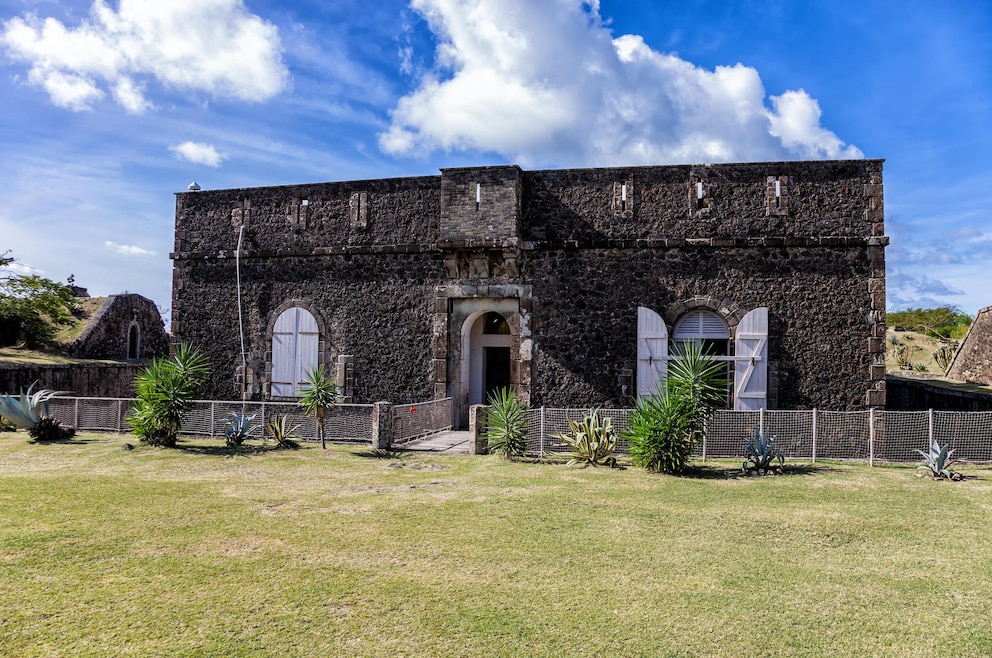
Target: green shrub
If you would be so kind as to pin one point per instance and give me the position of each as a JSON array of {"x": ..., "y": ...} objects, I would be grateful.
[
  {"x": 165, "y": 391},
  {"x": 505, "y": 419},
  {"x": 592, "y": 441},
  {"x": 664, "y": 427},
  {"x": 660, "y": 433},
  {"x": 760, "y": 454}
]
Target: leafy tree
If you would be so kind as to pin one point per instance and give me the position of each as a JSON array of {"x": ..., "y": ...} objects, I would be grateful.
[
  {"x": 31, "y": 306},
  {"x": 165, "y": 391},
  {"x": 319, "y": 395},
  {"x": 943, "y": 322}
]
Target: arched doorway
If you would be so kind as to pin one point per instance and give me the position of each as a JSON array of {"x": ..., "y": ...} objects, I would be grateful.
[
  {"x": 133, "y": 341},
  {"x": 489, "y": 356}
]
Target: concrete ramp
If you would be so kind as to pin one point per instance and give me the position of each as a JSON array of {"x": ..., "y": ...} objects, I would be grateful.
[{"x": 451, "y": 442}]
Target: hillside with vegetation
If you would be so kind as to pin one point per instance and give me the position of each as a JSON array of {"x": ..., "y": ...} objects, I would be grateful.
[
  {"x": 39, "y": 318},
  {"x": 924, "y": 340}
]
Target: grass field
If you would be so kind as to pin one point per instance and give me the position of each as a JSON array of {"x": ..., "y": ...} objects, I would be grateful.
[{"x": 199, "y": 551}]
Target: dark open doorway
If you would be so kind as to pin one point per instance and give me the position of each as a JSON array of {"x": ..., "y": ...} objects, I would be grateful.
[{"x": 496, "y": 368}]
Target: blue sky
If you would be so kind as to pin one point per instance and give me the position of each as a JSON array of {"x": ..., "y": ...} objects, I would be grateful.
[{"x": 108, "y": 108}]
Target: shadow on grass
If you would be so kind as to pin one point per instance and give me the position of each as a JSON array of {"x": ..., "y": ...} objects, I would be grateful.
[
  {"x": 63, "y": 442},
  {"x": 223, "y": 450},
  {"x": 383, "y": 453},
  {"x": 720, "y": 472}
]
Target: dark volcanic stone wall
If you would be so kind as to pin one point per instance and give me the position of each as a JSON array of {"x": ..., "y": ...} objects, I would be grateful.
[
  {"x": 374, "y": 307},
  {"x": 585, "y": 312},
  {"x": 383, "y": 265}
]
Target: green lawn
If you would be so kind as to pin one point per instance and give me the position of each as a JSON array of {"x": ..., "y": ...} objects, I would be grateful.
[{"x": 200, "y": 552}]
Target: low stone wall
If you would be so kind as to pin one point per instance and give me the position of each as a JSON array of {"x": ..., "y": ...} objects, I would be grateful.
[
  {"x": 105, "y": 380},
  {"x": 920, "y": 395}
]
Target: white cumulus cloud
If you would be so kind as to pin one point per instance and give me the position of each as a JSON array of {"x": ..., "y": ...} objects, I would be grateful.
[
  {"x": 127, "y": 249},
  {"x": 212, "y": 46},
  {"x": 198, "y": 153},
  {"x": 545, "y": 82}
]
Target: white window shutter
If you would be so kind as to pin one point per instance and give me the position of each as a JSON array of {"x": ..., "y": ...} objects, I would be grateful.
[
  {"x": 652, "y": 351},
  {"x": 294, "y": 350},
  {"x": 751, "y": 361},
  {"x": 306, "y": 348}
]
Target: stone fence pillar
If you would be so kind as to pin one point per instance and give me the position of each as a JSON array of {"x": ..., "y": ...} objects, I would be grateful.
[
  {"x": 382, "y": 430},
  {"x": 476, "y": 428}
]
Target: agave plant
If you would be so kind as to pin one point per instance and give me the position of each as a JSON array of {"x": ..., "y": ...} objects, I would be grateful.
[
  {"x": 505, "y": 432},
  {"x": 284, "y": 434},
  {"x": 593, "y": 441},
  {"x": 944, "y": 354},
  {"x": 760, "y": 454},
  {"x": 27, "y": 409},
  {"x": 936, "y": 463},
  {"x": 238, "y": 428}
]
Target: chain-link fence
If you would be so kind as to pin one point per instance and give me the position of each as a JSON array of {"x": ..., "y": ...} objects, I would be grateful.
[
  {"x": 343, "y": 422},
  {"x": 892, "y": 436},
  {"x": 415, "y": 421}
]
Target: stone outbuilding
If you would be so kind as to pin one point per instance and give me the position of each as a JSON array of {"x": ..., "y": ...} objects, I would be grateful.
[
  {"x": 126, "y": 326},
  {"x": 973, "y": 360},
  {"x": 575, "y": 287}
]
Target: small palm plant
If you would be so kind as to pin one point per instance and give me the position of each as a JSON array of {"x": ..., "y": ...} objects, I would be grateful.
[
  {"x": 505, "y": 431},
  {"x": 936, "y": 463},
  {"x": 284, "y": 434},
  {"x": 319, "y": 395},
  {"x": 593, "y": 441},
  {"x": 761, "y": 455},
  {"x": 238, "y": 429}
]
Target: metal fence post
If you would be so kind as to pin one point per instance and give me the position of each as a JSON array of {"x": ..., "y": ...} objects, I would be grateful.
[
  {"x": 814, "y": 436},
  {"x": 75, "y": 413},
  {"x": 871, "y": 436},
  {"x": 119, "y": 413},
  {"x": 761, "y": 420},
  {"x": 930, "y": 429},
  {"x": 212, "y": 408},
  {"x": 541, "y": 435}
]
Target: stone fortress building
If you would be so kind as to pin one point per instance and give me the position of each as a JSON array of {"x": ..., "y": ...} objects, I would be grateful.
[{"x": 572, "y": 286}]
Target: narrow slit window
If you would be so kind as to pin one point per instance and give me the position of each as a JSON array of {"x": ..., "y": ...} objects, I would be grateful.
[{"x": 478, "y": 195}]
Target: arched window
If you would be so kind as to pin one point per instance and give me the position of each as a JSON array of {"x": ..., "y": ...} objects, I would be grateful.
[
  {"x": 133, "y": 341},
  {"x": 708, "y": 330},
  {"x": 705, "y": 328},
  {"x": 748, "y": 351},
  {"x": 295, "y": 339}
]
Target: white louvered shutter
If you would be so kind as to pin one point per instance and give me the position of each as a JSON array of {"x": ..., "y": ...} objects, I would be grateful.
[
  {"x": 294, "y": 350},
  {"x": 751, "y": 362},
  {"x": 652, "y": 351}
]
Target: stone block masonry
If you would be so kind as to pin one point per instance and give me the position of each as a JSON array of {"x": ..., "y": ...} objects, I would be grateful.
[{"x": 400, "y": 273}]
